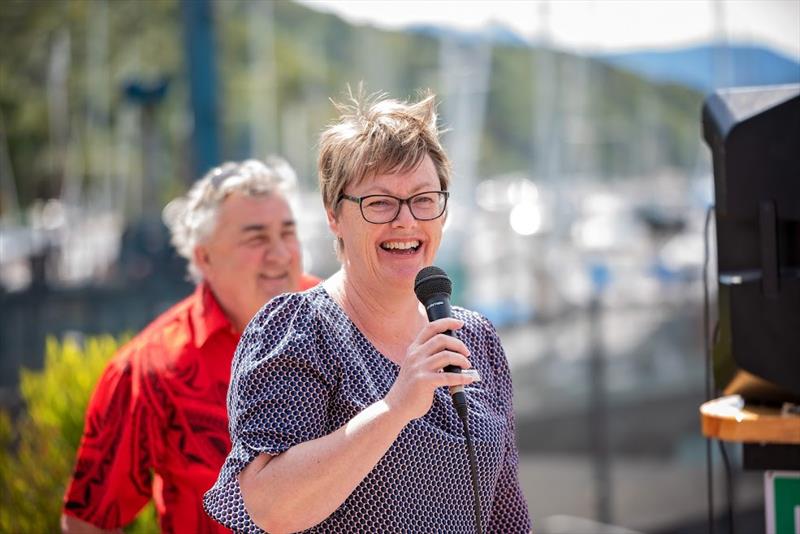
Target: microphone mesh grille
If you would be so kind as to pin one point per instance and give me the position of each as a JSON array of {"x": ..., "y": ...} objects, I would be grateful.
[{"x": 431, "y": 281}]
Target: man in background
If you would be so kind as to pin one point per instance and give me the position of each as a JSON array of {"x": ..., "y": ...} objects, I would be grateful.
[{"x": 156, "y": 426}]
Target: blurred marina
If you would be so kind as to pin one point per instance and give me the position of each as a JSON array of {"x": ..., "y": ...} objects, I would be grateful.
[
  {"x": 576, "y": 222},
  {"x": 636, "y": 254}
]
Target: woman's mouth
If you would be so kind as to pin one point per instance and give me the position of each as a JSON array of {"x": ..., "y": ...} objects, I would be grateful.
[{"x": 407, "y": 247}]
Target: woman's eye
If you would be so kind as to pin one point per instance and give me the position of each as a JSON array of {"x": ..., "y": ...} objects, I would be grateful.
[{"x": 379, "y": 204}]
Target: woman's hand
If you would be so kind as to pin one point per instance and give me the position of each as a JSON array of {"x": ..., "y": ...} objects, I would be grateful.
[{"x": 421, "y": 370}]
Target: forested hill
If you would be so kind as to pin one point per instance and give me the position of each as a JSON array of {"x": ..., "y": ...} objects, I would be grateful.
[
  {"x": 588, "y": 117},
  {"x": 708, "y": 66}
]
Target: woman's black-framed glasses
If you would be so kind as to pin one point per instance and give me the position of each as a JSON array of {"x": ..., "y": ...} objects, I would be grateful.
[{"x": 381, "y": 209}]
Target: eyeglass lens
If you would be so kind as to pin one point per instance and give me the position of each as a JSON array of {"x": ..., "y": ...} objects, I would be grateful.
[{"x": 424, "y": 206}]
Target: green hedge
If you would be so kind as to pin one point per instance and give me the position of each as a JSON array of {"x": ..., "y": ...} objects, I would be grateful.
[{"x": 37, "y": 451}]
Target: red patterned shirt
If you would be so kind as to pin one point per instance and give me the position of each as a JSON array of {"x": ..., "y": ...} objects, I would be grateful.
[{"x": 156, "y": 426}]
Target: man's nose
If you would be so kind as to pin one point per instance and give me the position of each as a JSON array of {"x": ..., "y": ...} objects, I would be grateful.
[{"x": 278, "y": 252}]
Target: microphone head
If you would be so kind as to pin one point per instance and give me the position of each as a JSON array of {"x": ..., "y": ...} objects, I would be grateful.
[{"x": 432, "y": 281}]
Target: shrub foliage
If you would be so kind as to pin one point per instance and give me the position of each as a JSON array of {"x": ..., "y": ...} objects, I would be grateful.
[{"x": 38, "y": 446}]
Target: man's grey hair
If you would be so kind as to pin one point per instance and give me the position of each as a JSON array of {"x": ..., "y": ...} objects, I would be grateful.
[{"x": 191, "y": 218}]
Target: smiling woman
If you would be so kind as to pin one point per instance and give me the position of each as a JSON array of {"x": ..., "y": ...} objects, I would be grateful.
[{"x": 342, "y": 386}]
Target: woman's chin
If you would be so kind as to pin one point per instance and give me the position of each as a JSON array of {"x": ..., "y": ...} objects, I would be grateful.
[
  {"x": 397, "y": 276},
  {"x": 403, "y": 263},
  {"x": 389, "y": 272}
]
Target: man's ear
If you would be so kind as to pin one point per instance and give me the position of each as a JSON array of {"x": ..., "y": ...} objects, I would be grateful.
[{"x": 202, "y": 259}]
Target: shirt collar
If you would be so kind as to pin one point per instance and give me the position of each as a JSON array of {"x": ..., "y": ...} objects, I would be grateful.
[{"x": 207, "y": 316}]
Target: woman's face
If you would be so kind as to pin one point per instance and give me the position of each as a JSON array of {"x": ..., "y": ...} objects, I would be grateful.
[{"x": 389, "y": 255}]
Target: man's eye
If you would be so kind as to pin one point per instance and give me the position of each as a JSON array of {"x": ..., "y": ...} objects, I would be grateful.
[{"x": 256, "y": 240}]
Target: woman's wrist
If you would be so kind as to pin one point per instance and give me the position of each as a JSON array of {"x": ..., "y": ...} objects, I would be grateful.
[{"x": 393, "y": 409}]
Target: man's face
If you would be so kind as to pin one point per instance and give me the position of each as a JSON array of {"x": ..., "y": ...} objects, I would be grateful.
[{"x": 252, "y": 254}]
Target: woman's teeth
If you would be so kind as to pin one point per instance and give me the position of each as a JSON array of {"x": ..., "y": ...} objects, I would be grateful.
[{"x": 400, "y": 245}]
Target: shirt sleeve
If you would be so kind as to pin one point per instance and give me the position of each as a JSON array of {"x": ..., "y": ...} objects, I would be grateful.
[
  {"x": 278, "y": 398},
  {"x": 112, "y": 479},
  {"x": 509, "y": 509}
]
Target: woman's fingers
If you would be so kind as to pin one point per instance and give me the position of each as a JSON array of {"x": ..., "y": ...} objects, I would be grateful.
[
  {"x": 442, "y": 342},
  {"x": 420, "y": 375},
  {"x": 455, "y": 379},
  {"x": 438, "y": 326},
  {"x": 445, "y": 358}
]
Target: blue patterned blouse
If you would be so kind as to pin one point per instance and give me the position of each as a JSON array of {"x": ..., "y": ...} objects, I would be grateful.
[{"x": 302, "y": 370}]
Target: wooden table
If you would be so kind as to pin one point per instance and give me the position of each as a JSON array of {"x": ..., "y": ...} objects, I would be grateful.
[
  {"x": 768, "y": 429},
  {"x": 729, "y": 418}
]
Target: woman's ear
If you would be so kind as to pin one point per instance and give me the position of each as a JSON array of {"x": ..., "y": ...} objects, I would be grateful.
[{"x": 333, "y": 224}]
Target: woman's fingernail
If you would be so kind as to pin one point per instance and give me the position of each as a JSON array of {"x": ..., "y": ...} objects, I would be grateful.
[{"x": 473, "y": 373}]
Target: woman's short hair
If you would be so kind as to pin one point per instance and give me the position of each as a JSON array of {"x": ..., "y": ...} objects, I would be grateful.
[
  {"x": 191, "y": 217},
  {"x": 378, "y": 135}
]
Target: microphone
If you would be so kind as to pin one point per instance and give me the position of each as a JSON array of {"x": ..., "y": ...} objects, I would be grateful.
[{"x": 433, "y": 289}]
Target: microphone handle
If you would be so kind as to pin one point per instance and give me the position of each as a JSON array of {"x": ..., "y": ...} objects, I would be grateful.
[
  {"x": 450, "y": 368},
  {"x": 457, "y": 392},
  {"x": 438, "y": 307}
]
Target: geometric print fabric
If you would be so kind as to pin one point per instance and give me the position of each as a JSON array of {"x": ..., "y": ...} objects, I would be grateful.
[{"x": 303, "y": 369}]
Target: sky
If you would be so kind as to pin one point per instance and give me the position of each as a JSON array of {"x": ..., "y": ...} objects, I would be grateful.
[{"x": 596, "y": 25}]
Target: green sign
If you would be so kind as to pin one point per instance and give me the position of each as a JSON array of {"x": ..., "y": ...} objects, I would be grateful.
[{"x": 782, "y": 501}]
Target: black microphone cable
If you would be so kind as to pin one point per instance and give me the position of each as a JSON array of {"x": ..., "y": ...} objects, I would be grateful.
[
  {"x": 463, "y": 414},
  {"x": 433, "y": 289},
  {"x": 710, "y": 393},
  {"x": 709, "y": 386}
]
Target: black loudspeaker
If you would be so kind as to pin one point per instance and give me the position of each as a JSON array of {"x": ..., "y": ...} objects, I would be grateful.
[{"x": 754, "y": 136}]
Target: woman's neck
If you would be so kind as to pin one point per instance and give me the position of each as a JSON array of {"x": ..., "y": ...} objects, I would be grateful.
[{"x": 389, "y": 319}]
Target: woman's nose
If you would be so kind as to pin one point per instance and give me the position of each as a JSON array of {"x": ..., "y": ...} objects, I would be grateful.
[{"x": 404, "y": 216}]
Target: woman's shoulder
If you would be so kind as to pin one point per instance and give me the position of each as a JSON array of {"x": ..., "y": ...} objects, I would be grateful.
[
  {"x": 474, "y": 321},
  {"x": 488, "y": 355},
  {"x": 477, "y": 331},
  {"x": 285, "y": 325},
  {"x": 288, "y": 309}
]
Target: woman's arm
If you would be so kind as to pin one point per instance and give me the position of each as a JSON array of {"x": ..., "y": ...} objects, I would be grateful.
[
  {"x": 304, "y": 485},
  {"x": 509, "y": 509},
  {"x": 307, "y": 483}
]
